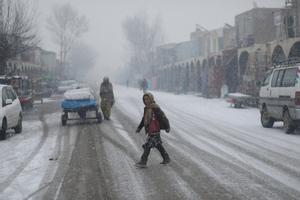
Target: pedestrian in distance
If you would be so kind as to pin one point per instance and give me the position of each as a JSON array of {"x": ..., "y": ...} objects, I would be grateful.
[
  {"x": 153, "y": 121},
  {"x": 145, "y": 85},
  {"x": 107, "y": 97}
]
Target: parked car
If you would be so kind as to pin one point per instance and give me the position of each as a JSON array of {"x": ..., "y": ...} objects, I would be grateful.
[
  {"x": 280, "y": 97},
  {"x": 10, "y": 111},
  {"x": 67, "y": 85},
  {"x": 23, "y": 88},
  {"x": 238, "y": 100}
]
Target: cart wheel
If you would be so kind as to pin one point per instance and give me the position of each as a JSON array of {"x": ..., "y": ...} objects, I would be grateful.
[
  {"x": 82, "y": 114},
  {"x": 64, "y": 118},
  {"x": 99, "y": 117}
]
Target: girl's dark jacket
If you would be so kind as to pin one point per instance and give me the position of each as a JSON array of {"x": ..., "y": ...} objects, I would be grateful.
[{"x": 161, "y": 118}]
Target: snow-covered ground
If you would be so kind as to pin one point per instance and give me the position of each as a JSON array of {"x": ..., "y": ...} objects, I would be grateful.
[
  {"x": 207, "y": 132},
  {"x": 28, "y": 157},
  {"x": 235, "y": 135}
]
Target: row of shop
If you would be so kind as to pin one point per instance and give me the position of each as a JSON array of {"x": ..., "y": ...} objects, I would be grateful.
[
  {"x": 240, "y": 69},
  {"x": 31, "y": 74},
  {"x": 233, "y": 57}
]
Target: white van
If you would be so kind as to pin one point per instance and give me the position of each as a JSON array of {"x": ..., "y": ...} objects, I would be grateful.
[{"x": 280, "y": 97}]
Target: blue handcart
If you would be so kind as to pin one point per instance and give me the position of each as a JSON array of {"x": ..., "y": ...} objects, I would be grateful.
[{"x": 81, "y": 107}]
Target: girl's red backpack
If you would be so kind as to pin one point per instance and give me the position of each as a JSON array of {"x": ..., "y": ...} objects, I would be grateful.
[{"x": 154, "y": 125}]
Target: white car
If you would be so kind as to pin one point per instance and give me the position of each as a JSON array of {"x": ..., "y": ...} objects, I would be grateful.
[
  {"x": 10, "y": 111},
  {"x": 280, "y": 97},
  {"x": 67, "y": 85}
]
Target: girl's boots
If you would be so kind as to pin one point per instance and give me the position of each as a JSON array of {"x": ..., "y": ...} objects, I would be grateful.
[{"x": 166, "y": 158}]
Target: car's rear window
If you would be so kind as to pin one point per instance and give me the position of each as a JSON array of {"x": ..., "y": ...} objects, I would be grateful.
[{"x": 289, "y": 79}]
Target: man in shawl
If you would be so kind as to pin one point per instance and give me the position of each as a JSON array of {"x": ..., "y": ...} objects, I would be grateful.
[{"x": 107, "y": 97}]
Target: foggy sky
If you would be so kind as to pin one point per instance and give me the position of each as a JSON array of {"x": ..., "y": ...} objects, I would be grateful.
[{"x": 179, "y": 18}]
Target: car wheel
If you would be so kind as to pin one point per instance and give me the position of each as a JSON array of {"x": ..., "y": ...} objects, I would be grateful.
[
  {"x": 18, "y": 128},
  {"x": 82, "y": 114},
  {"x": 288, "y": 124},
  {"x": 3, "y": 130},
  {"x": 266, "y": 120}
]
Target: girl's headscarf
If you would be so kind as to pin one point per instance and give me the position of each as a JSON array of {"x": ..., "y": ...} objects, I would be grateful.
[{"x": 148, "y": 108}]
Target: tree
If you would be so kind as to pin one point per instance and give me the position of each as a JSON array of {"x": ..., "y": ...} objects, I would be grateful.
[
  {"x": 82, "y": 59},
  {"x": 143, "y": 37},
  {"x": 66, "y": 26},
  {"x": 17, "y": 30}
]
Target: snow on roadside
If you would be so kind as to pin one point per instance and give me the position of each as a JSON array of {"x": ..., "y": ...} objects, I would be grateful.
[
  {"x": 18, "y": 147},
  {"x": 28, "y": 179}
]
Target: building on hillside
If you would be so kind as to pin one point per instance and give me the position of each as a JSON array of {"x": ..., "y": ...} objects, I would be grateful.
[
  {"x": 166, "y": 54},
  {"x": 187, "y": 50},
  {"x": 194, "y": 65},
  {"x": 274, "y": 37},
  {"x": 236, "y": 56},
  {"x": 229, "y": 37},
  {"x": 229, "y": 58},
  {"x": 292, "y": 18},
  {"x": 255, "y": 26}
]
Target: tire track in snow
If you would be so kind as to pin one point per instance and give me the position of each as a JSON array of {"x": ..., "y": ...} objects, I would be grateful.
[
  {"x": 177, "y": 171},
  {"x": 230, "y": 164},
  {"x": 194, "y": 122},
  {"x": 213, "y": 182},
  {"x": 158, "y": 185},
  {"x": 250, "y": 176},
  {"x": 224, "y": 124},
  {"x": 82, "y": 177},
  {"x": 242, "y": 141},
  {"x": 56, "y": 171},
  {"x": 175, "y": 181},
  {"x": 5, "y": 184},
  {"x": 209, "y": 133}
]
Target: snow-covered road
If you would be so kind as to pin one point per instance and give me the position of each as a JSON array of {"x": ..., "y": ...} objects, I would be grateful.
[
  {"x": 228, "y": 145},
  {"x": 217, "y": 152}
]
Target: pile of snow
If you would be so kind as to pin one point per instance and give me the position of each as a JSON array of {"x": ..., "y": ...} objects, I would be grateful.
[{"x": 76, "y": 94}]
